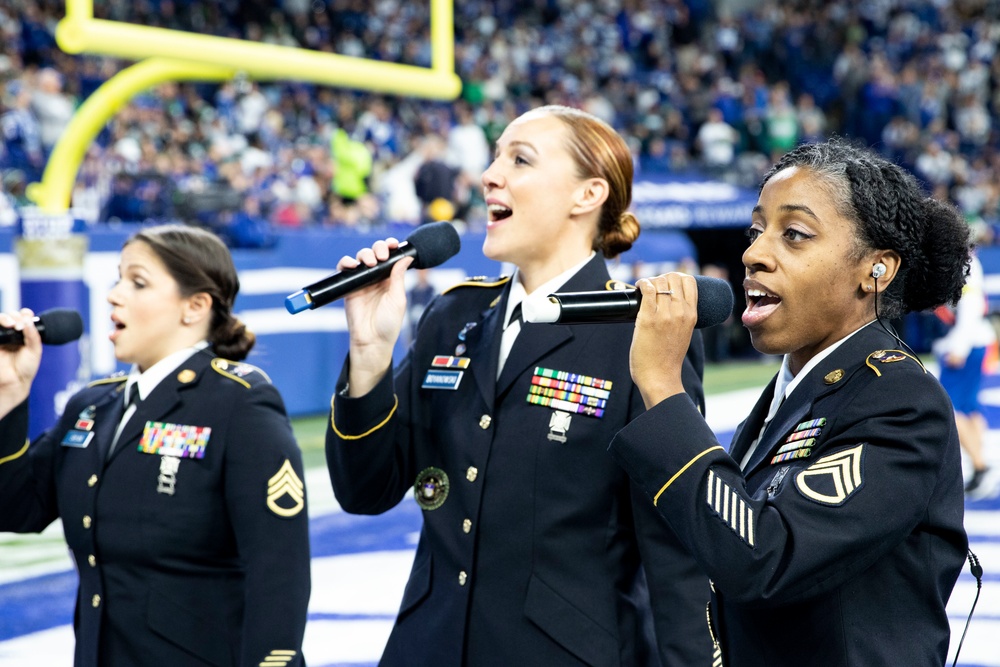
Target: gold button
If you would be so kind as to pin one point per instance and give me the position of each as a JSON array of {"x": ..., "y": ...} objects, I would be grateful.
[
  {"x": 462, "y": 578},
  {"x": 92, "y": 480},
  {"x": 466, "y": 526},
  {"x": 95, "y": 601},
  {"x": 92, "y": 560},
  {"x": 87, "y": 521},
  {"x": 471, "y": 473},
  {"x": 484, "y": 422}
]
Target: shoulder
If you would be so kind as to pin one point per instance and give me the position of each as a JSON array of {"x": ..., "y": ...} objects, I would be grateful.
[
  {"x": 889, "y": 363},
  {"x": 477, "y": 286},
  {"x": 238, "y": 373},
  {"x": 111, "y": 380}
]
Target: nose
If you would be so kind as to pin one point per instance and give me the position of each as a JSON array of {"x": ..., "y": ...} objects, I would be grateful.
[
  {"x": 113, "y": 297},
  {"x": 491, "y": 178},
  {"x": 756, "y": 257}
]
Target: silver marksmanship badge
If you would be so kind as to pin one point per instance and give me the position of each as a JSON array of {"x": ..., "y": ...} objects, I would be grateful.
[
  {"x": 166, "y": 481},
  {"x": 558, "y": 425},
  {"x": 431, "y": 488}
]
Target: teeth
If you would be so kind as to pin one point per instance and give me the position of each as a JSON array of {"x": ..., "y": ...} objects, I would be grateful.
[
  {"x": 497, "y": 208},
  {"x": 756, "y": 293}
]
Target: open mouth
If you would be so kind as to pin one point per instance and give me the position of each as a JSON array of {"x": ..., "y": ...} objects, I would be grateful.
[
  {"x": 760, "y": 304},
  {"x": 498, "y": 212}
]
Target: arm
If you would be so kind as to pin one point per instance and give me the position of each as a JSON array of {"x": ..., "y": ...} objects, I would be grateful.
[
  {"x": 678, "y": 588},
  {"x": 887, "y": 447},
  {"x": 266, "y": 500}
]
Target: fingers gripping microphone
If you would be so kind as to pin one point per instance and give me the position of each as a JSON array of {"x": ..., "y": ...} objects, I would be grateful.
[
  {"x": 429, "y": 245},
  {"x": 56, "y": 326},
  {"x": 715, "y": 304}
]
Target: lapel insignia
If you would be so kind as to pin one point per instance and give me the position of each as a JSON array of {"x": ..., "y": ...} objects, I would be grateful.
[
  {"x": 431, "y": 488},
  {"x": 833, "y": 377},
  {"x": 558, "y": 425},
  {"x": 460, "y": 349},
  {"x": 179, "y": 440},
  {"x": 166, "y": 481},
  {"x": 731, "y": 508},
  {"x": 286, "y": 483},
  {"x": 569, "y": 392},
  {"x": 469, "y": 326},
  {"x": 186, "y": 375},
  {"x": 833, "y": 478}
]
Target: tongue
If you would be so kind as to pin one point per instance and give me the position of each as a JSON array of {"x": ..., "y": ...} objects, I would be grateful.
[{"x": 758, "y": 311}]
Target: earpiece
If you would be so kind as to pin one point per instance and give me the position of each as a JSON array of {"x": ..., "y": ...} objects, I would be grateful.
[{"x": 878, "y": 270}]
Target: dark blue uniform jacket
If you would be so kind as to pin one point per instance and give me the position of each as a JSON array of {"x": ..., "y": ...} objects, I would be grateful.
[
  {"x": 533, "y": 539},
  {"x": 843, "y": 539},
  {"x": 182, "y": 560}
]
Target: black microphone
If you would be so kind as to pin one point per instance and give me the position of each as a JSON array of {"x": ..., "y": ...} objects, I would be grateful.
[
  {"x": 57, "y": 326},
  {"x": 715, "y": 304},
  {"x": 429, "y": 245}
]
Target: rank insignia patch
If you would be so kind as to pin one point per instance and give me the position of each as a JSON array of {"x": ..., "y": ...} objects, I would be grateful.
[
  {"x": 286, "y": 495},
  {"x": 731, "y": 508},
  {"x": 431, "y": 488},
  {"x": 832, "y": 479}
]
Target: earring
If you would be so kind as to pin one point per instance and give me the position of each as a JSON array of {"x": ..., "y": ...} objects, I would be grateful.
[
  {"x": 868, "y": 288},
  {"x": 186, "y": 320}
]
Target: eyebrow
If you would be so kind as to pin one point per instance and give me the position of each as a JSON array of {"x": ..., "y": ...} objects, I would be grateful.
[
  {"x": 790, "y": 208},
  {"x": 515, "y": 144}
]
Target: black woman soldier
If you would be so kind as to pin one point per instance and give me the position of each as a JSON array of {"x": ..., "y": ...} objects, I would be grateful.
[
  {"x": 535, "y": 549},
  {"x": 179, "y": 485},
  {"x": 832, "y": 530}
]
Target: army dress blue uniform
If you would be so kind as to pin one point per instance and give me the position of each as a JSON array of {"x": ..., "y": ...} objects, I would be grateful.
[
  {"x": 840, "y": 541},
  {"x": 191, "y": 540},
  {"x": 533, "y": 539}
]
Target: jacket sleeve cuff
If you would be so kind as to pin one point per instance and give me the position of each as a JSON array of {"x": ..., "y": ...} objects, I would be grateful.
[{"x": 353, "y": 418}]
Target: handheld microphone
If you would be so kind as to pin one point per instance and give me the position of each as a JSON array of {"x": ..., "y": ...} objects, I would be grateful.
[
  {"x": 429, "y": 245},
  {"x": 56, "y": 326},
  {"x": 715, "y": 304}
]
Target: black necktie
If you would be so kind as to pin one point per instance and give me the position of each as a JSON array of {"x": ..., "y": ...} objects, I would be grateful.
[
  {"x": 133, "y": 399},
  {"x": 515, "y": 316}
]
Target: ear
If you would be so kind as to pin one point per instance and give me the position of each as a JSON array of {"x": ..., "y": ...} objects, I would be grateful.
[
  {"x": 590, "y": 196},
  {"x": 197, "y": 308},
  {"x": 889, "y": 259}
]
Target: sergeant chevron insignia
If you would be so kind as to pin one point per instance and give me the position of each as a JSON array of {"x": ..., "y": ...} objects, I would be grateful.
[
  {"x": 286, "y": 483},
  {"x": 832, "y": 479}
]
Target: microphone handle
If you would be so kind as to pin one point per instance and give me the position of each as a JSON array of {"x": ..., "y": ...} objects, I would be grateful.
[
  {"x": 15, "y": 337},
  {"x": 344, "y": 282},
  {"x": 609, "y": 306}
]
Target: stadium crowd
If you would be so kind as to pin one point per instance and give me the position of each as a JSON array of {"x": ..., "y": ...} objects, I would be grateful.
[{"x": 693, "y": 85}]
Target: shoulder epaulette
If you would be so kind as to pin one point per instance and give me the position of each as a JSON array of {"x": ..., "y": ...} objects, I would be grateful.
[
  {"x": 479, "y": 281},
  {"x": 111, "y": 379},
  {"x": 237, "y": 371},
  {"x": 889, "y": 357},
  {"x": 617, "y": 285}
]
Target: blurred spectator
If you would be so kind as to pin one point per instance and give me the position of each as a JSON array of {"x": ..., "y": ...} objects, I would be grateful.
[
  {"x": 717, "y": 140},
  {"x": 53, "y": 108},
  {"x": 21, "y": 133},
  {"x": 435, "y": 181}
]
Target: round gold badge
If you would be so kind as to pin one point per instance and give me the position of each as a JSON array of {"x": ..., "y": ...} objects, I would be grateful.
[
  {"x": 431, "y": 488},
  {"x": 833, "y": 377},
  {"x": 186, "y": 375}
]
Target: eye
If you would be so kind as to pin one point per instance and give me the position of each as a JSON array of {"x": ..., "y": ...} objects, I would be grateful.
[
  {"x": 793, "y": 234},
  {"x": 520, "y": 159},
  {"x": 752, "y": 234}
]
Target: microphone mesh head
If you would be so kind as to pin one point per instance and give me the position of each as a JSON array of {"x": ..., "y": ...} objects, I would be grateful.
[
  {"x": 715, "y": 301},
  {"x": 59, "y": 326},
  {"x": 435, "y": 243}
]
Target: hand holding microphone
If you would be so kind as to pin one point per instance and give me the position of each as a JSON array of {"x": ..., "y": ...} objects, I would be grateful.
[{"x": 21, "y": 338}]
